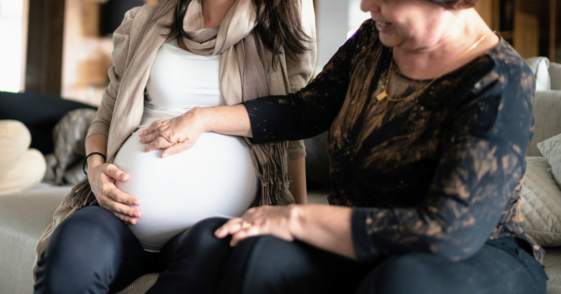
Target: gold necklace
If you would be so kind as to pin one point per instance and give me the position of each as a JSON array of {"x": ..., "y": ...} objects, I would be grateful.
[{"x": 384, "y": 93}]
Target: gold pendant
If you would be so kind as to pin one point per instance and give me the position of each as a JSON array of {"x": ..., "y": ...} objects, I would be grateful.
[{"x": 382, "y": 96}]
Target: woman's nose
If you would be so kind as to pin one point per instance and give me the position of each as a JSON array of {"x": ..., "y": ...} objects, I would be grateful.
[{"x": 372, "y": 6}]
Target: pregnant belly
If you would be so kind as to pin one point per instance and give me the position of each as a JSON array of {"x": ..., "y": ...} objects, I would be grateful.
[{"x": 215, "y": 177}]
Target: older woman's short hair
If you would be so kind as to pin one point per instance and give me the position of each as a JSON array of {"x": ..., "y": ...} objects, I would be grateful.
[{"x": 455, "y": 4}]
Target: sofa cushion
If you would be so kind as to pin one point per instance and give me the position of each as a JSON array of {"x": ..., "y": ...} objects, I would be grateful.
[
  {"x": 23, "y": 218},
  {"x": 541, "y": 203},
  {"x": 547, "y": 107},
  {"x": 555, "y": 75},
  {"x": 552, "y": 263},
  {"x": 551, "y": 150}
]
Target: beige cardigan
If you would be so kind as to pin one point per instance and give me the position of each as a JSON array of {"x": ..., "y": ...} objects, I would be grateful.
[
  {"x": 135, "y": 48},
  {"x": 134, "y": 52}
]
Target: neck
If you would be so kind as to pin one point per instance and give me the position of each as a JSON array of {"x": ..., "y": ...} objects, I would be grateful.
[
  {"x": 214, "y": 11},
  {"x": 461, "y": 32}
]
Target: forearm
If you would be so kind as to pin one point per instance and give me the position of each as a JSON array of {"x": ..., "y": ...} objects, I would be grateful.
[
  {"x": 297, "y": 168},
  {"x": 227, "y": 120},
  {"x": 323, "y": 226},
  {"x": 96, "y": 143}
]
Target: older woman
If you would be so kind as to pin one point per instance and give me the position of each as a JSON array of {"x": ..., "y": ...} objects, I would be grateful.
[
  {"x": 429, "y": 115},
  {"x": 168, "y": 58}
]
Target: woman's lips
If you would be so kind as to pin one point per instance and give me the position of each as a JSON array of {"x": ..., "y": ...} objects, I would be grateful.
[{"x": 383, "y": 26}]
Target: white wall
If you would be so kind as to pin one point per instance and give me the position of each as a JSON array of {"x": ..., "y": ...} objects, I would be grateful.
[
  {"x": 332, "y": 21},
  {"x": 13, "y": 33},
  {"x": 337, "y": 20}
]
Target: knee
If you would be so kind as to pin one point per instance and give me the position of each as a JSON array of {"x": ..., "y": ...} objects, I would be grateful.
[
  {"x": 76, "y": 252},
  {"x": 267, "y": 264},
  {"x": 201, "y": 237},
  {"x": 76, "y": 240},
  {"x": 207, "y": 226},
  {"x": 413, "y": 273}
]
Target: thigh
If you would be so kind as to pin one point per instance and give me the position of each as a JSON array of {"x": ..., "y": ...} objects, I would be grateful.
[
  {"x": 491, "y": 270},
  {"x": 267, "y": 264},
  {"x": 91, "y": 251}
]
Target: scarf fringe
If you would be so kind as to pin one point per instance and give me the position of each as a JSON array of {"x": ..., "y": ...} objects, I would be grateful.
[
  {"x": 271, "y": 162},
  {"x": 81, "y": 195}
]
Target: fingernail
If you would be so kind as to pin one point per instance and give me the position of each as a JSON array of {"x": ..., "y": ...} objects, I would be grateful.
[
  {"x": 136, "y": 203},
  {"x": 164, "y": 155}
]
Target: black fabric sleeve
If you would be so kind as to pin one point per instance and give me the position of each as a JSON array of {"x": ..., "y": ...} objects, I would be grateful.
[
  {"x": 480, "y": 169},
  {"x": 311, "y": 110}
]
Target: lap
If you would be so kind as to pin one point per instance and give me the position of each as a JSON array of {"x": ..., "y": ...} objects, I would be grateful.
[
  {"x": 490, "y": 270},
  {"x": 93, "y": 249},
  {"x": 265, "y": 263}
]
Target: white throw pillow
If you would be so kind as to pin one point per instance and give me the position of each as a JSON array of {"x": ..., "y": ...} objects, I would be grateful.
[
  {"x": 551, "y": 150},
  {"x": 540, "y": 203},
  {"x": 540, "y": 67}
]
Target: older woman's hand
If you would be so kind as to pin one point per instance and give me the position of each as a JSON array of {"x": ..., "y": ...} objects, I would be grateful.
[
  {"x": 264, "y": 220},
  {"x": 174, "y": 135}
]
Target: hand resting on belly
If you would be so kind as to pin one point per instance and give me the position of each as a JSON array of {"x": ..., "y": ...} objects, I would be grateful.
[{"x": 216, "y": 177}]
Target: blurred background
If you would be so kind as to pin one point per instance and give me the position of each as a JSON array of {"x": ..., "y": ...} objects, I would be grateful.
[{"x": 63, "y": 47}]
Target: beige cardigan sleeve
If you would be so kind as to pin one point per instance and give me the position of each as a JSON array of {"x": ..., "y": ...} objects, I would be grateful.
[
  {"x": 300, "y": 70},
  {"x": 120, "y": 56}
]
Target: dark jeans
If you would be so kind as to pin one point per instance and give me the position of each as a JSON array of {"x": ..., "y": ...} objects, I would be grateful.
[{"x": 93, "y": 252}]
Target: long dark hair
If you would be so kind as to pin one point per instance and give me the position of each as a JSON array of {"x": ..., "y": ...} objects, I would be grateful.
[
  {"x": 278, "y": 26},
  {"x": 455, "y": 4}
]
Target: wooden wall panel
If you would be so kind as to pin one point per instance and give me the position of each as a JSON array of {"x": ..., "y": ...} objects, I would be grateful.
[
  {"x": 44, "y": 46},
  {"x": 526, "y": 34},
  {"x": 485, "y": 9}
]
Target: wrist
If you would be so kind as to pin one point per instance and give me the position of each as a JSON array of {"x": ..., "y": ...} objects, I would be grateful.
[
  {"x": 200, "y": 115},
  {"x": 296, "y": 220},
  {"x": 94, "y": 161}
]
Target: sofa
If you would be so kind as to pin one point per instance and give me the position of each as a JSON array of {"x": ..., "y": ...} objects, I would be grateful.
[{"x": 24, "y": 217}]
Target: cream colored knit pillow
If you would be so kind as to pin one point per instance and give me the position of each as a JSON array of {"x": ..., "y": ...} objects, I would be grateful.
[
  {"x": 540, "y": 202},
  {"x": 551, "y": 150}
]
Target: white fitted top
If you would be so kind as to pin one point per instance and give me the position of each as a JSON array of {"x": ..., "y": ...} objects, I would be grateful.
[{"x": 216, "y": 177}]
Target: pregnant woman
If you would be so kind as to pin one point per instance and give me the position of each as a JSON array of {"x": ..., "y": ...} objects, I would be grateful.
[{"x": 169, "y": 58}]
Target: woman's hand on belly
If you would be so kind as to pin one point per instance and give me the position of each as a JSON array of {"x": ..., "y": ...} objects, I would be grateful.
[
  {"x": 174, "y": 135},
  {"x": 102, "y": 180}
]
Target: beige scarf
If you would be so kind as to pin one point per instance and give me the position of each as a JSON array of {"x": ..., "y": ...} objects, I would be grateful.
[{"x": 243, "y": 75}]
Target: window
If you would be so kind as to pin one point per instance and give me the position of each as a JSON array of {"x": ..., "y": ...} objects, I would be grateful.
[{"x": 12, "y": 49}]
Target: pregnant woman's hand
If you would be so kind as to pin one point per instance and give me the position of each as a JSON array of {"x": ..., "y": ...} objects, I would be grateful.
[
  {"x": 102, "y": 179},
  {"x": 174, "y": 135}
]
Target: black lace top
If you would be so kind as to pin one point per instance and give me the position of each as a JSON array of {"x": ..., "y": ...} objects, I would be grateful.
[{"x": 438, "y": 172}]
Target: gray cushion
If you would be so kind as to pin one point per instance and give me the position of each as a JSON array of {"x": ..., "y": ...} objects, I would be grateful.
[
  {"x": 555, "y": 75},
  {"x": 552, "y": 263},
  {"x": 547, "y": 117},
  {"x": 23, "y": 218}
]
